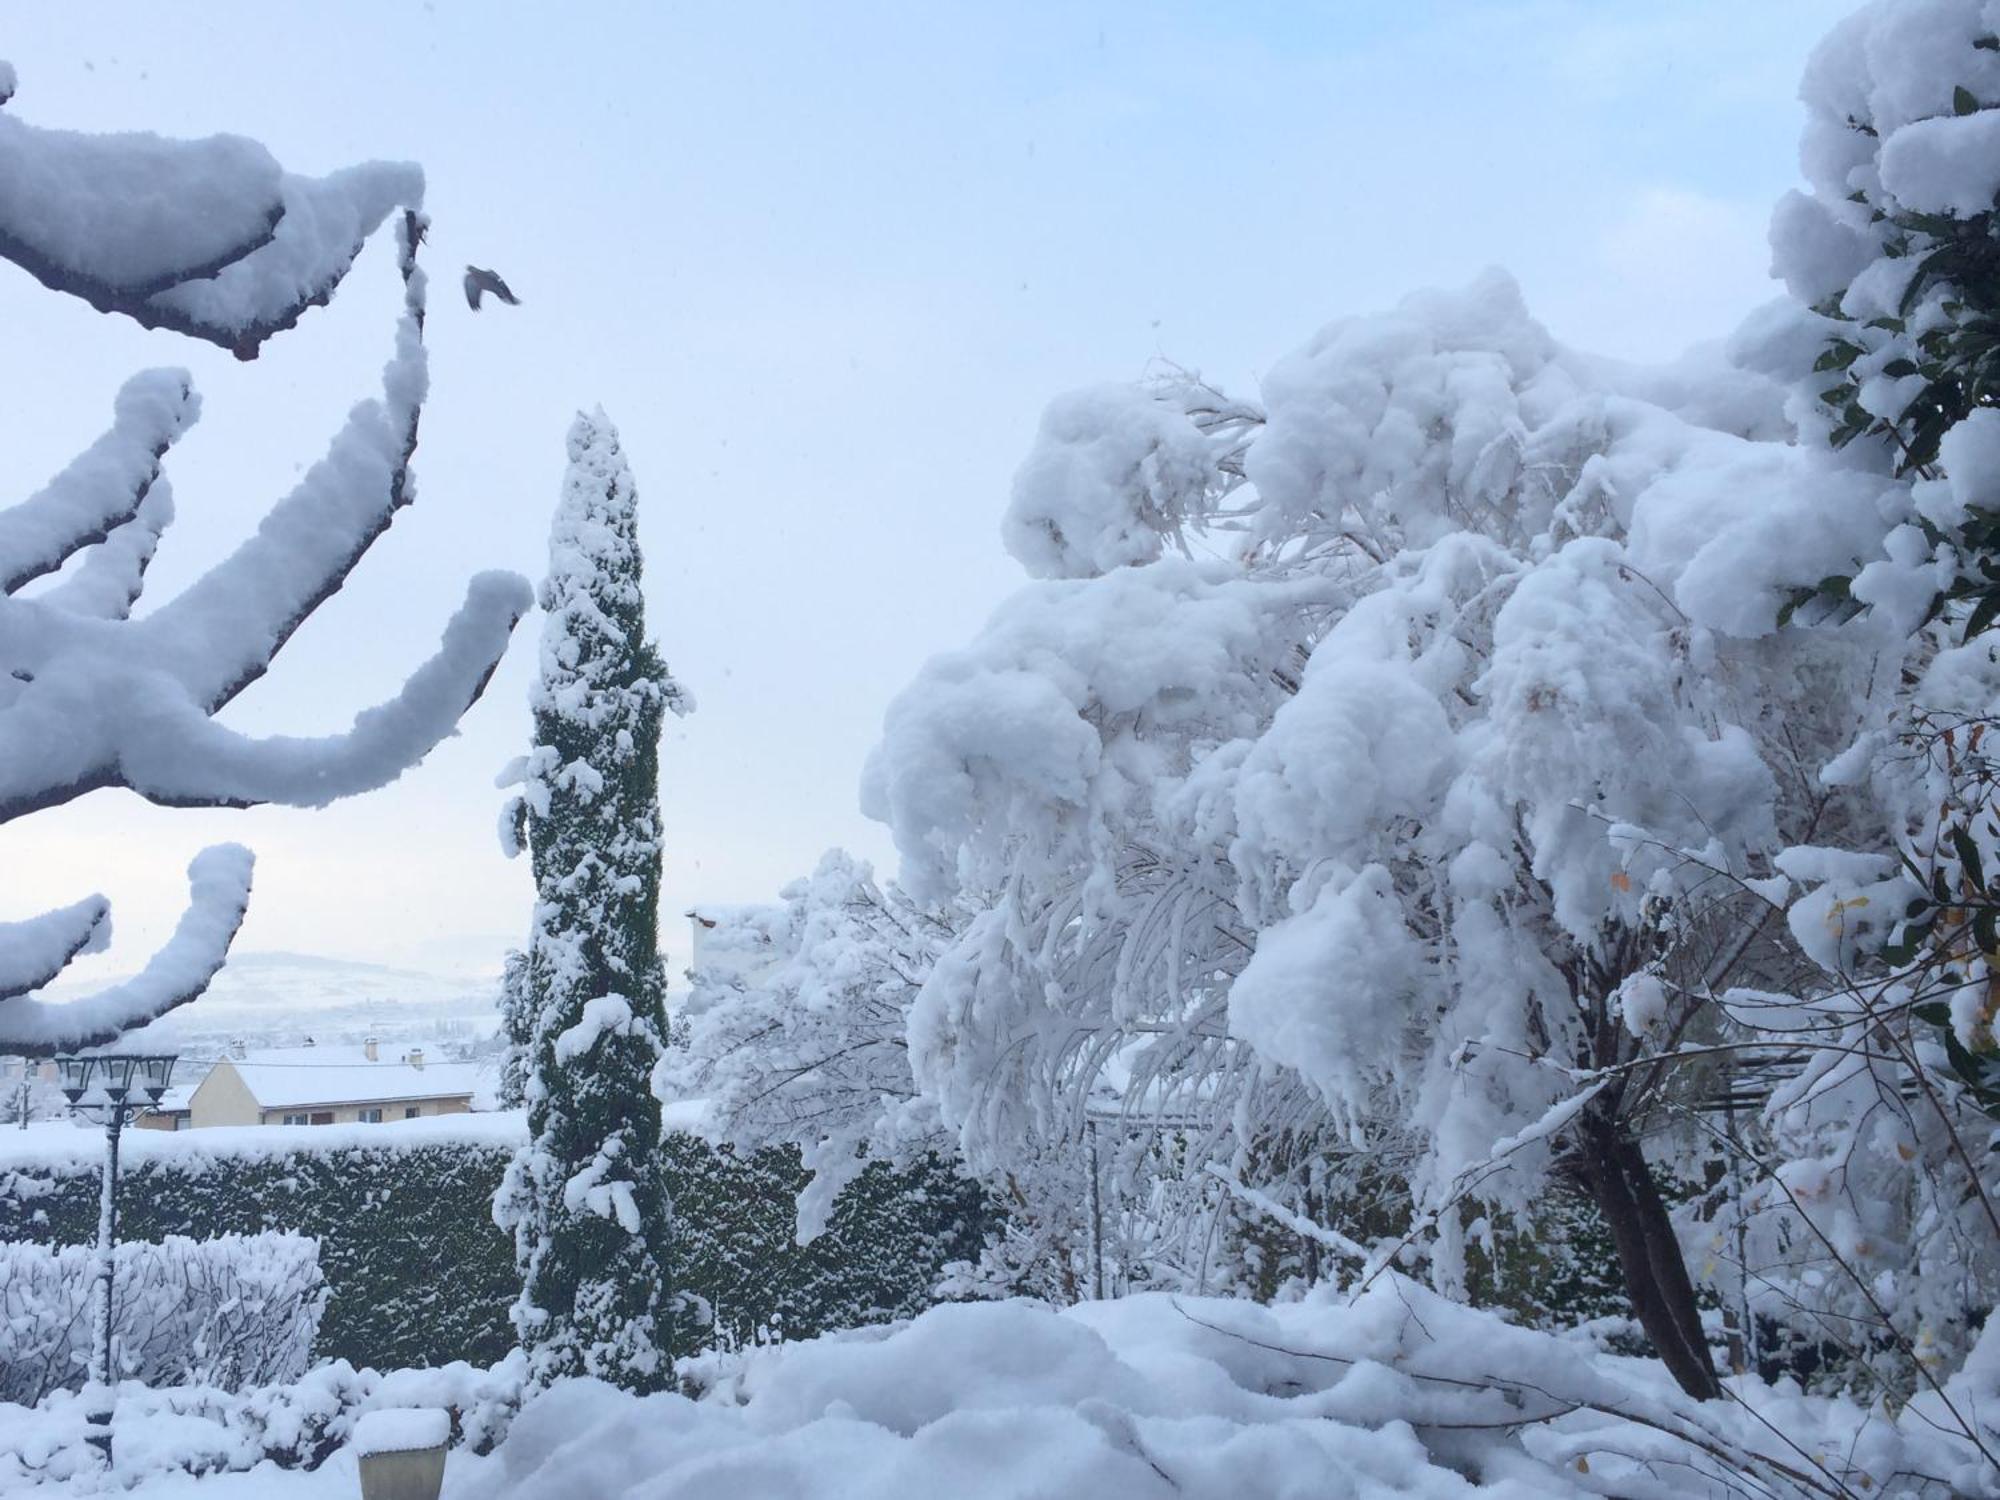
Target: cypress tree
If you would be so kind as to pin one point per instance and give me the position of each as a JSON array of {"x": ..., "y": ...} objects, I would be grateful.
[
  {"x": 586, "y": 1200},
  {"x": 517, "y": 1025}
]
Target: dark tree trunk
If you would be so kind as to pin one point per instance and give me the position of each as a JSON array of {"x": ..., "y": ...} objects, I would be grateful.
[{"x": 1613, "y": 1171}]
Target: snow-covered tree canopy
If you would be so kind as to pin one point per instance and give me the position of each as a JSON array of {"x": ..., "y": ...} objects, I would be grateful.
[
  {"x": 796, "y": 1029},
  {"x": 207, "y": 238},
  {"x": 1459, "y": 805}
]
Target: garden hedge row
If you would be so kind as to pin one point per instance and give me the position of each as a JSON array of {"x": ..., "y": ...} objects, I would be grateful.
[{"x": 417, "y": 1272}]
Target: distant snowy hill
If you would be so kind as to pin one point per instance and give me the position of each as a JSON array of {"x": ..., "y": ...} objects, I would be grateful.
[{"x": 280, "y": 999}]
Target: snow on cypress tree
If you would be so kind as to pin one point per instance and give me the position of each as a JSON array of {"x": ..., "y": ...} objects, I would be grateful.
[
  {"x": 586, "y": 1199},
  {"x": 517, "y": 1025}
]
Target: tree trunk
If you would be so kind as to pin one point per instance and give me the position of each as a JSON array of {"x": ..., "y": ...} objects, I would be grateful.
[{"x": 1615, "y": 1174}]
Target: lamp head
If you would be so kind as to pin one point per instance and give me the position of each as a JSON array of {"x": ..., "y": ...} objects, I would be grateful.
[{"x": 76, "y": 1073}]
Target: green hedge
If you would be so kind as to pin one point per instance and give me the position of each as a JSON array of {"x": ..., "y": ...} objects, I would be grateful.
[
  {"x": 886, "y": 1243},
  {"x": 418, "y": 1274}
]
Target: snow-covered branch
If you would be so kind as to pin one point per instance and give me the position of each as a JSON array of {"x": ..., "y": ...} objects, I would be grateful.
[
  {"x": 218, "y": 894},
  {"x": 33, "y": 952},
  {"x": 105, "y": 486},
  {"x": 209, "y": 238},
  {"x": 73, "y": 655}
]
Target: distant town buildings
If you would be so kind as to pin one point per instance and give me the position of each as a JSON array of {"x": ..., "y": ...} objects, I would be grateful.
[{"x": 314, "y": 1085}]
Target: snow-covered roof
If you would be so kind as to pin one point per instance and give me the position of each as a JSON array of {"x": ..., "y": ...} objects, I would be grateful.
[
  {"x": 179, "y": 1097},
  {"x": 281, "y": 1076}
]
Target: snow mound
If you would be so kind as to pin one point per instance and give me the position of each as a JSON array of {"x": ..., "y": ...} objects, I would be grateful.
[{"x": 1389, "y": 1392}]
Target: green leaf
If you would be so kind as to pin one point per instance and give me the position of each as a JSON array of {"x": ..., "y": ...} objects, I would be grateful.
[
  {"x": 1983, "y": 614},
  {"x": 1896, "y": 369},
  {"x": 1963, "y": 102},
  {"x": 1968, "y": 856}
]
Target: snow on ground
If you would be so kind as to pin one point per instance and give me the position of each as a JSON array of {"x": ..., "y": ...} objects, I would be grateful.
[{"x": 1390, "y": 1393}]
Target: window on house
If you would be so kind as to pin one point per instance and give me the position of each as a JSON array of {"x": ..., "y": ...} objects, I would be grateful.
[
  {"x": 412, "y": 1111},
  {"x": 321, "y": 1117},
  {"x": 371, "y": 1117},
  {"x": 295, "y": 1119}
]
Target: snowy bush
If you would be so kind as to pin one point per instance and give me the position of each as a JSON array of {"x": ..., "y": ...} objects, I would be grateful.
[
  {"x": 234, "y": 1311},
  {"x": 207, "y": 1430}
]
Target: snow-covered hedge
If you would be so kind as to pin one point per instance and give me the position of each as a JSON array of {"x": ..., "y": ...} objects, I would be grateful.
[
  {"x": 235, "y": 1311},
  {"x": 416, "y": 1272}
]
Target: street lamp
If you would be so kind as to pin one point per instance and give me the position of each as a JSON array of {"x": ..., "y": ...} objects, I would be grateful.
[{"x": 109, "y": 1088}]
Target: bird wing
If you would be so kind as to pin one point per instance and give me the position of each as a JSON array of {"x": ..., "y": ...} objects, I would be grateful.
[{"x": 478, "y": 279}]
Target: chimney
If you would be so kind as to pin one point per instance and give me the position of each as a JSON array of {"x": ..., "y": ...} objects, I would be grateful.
[
  {"x": 370, "y": 1050},
  {"x": 416, "y": 1058}
]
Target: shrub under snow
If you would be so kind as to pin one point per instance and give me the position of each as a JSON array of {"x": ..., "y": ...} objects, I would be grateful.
[{"x": 235, "y": 1311}]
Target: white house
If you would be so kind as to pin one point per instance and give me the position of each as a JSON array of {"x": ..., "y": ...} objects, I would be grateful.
[{"x": 326, "y": 1085}]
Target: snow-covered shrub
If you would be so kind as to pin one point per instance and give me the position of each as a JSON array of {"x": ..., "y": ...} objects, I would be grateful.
[
  {"x": 234, "y": 1311},
  {"x": 207, "y": 238},
  {"x": 206, "y": 1430}
]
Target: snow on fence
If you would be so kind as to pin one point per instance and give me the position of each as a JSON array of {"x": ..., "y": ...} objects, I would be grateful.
[{"x": 239, "y": 1310}]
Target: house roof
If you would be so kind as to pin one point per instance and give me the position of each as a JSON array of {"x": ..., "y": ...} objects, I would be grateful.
[
  {"x": 278, "y": 1077},
  {"x": 176, "y": 1099}
]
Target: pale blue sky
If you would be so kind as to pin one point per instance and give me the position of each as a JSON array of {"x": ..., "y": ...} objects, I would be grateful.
[{"x": 822, "y": 265}]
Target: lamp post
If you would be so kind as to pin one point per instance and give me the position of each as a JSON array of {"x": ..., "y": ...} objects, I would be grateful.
[{"x": 109, "y": 1088}]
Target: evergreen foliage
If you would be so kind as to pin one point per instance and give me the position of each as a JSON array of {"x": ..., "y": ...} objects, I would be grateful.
[
  {"x": 417, "y": 1274},
  {"x": 517, "y": 1026},
  {"x": 587, "y": 1202}
]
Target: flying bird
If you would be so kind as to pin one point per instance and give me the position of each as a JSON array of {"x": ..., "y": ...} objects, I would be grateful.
[{"x": 478, "y": 280}]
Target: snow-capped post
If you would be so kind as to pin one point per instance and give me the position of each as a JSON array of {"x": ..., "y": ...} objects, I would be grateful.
[
  {"x": 585, "y": 1199},
  {"x": 221, "y": 244}
]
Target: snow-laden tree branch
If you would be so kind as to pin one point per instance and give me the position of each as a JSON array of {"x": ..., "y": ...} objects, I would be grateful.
[
  {"x": 218, "y": 895},
  {"x": 208, "y": 238},
  {"x": 35, "y": 951}
]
